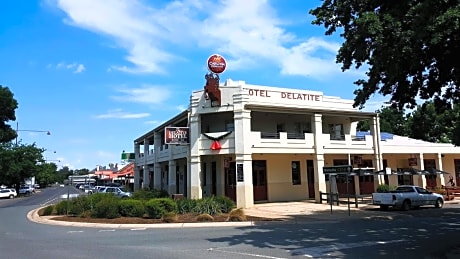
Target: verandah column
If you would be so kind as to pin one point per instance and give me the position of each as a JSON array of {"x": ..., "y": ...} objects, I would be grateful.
[
  {"x": 243, "y": 153},
  {"x": 156, "y": 164},
  {"x": 136, "y": 167},
  {"x": 442, "y": 179},
  {"x": 320, "y": 179},
  {"x": 420, "y": 180},
  {"x": 194, "y": 189},
  {"x": 172, "y": 172}
]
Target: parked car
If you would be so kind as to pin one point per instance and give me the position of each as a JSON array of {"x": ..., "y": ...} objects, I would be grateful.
[
  {"x": 26, "y": 189},
  {"x": 117, "y": 191},
  {"x": 407, "y": 197},
  {"x": 8, "y": 193}
]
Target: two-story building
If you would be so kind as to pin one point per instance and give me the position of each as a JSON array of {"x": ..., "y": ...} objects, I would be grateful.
[{"x": 257, "y": 143}]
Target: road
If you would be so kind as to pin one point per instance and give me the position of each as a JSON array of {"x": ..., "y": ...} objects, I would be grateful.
[{"x": 423, "y": 233}]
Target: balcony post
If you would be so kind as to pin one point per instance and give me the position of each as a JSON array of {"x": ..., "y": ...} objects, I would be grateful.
[
  {"x": 320, "y": 179},
  {"x": 243, "y": 153},
  {"x": 442, "y": 180},
  {"x": 194, "y": 188}
]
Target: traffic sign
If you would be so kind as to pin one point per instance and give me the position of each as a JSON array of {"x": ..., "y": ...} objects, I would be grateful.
[{"x": 339, "y": 169}]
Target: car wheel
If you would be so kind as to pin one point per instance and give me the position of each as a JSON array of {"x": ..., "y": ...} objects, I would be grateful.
[
  {"x": 439, "y": 203},
  {"x": 406, "y": 205},
  {"x": 11, "y": 196}
]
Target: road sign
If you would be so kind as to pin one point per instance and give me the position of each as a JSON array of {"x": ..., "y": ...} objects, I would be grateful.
[{"x": 339, "y": 169}]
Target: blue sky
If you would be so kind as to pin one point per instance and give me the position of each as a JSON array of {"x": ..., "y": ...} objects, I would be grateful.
[{"x": 98, "y": 74}]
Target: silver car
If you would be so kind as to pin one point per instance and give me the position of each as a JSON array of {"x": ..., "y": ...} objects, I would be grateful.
[{"x": 117, "y": 191}]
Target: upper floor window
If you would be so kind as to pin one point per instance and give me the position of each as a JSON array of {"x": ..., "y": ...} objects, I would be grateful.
[{"x": 336, "y": 131}]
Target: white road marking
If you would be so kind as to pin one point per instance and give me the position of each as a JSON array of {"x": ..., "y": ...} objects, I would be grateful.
[
  {"x": 75, "y": 231},
  {"x": 246, "y": 254},
  {"x": 323, "y": 250},
  {"x": 137, "y": 229},
  {"x": 107, "y": 230}
]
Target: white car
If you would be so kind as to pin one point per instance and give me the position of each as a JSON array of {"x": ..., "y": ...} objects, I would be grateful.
[{"x": 8, "y": 193}]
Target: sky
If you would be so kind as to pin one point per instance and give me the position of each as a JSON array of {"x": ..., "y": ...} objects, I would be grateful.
[{"x": 99, "y": 74}]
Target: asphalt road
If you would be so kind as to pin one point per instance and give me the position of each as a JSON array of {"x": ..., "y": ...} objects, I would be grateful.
[{"x": 423, "y": 233}]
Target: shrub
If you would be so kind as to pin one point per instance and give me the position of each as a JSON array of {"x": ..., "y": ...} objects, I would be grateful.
[
  {"x": 131, "y": 208},
  {"x": 169, "y": 204},
  {"x": 385, "y": 188},
  {"x": 204, "y": 217},
  {"x": 185, "y": 205},
  {"x": 79, "y": 205},
  {"x": 48, "y": 210},
  {"x": 61, "y": 207},
  {"x": 146, "y": 194},
  {"x": 156, "y": 208},
  {"x": 237, "y": 215},
  {"x": 106, "y": 208},
  {"x": 208, "y": 205},
  {"x": 226, "y": 204},
  {"x": 170, "y": 217}
]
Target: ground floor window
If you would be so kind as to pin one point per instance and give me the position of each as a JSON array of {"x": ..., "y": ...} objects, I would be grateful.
[{"x": 295, "y": 171}]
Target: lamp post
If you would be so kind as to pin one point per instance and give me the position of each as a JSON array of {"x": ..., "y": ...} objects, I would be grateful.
[{"x": 17, "y": 131}]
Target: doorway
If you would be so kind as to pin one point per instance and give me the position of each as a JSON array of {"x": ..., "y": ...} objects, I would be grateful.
[
  {"x": 311, "y": 179},
  {"x": 259, "y": 180},
  {"x": 230, "y": 181}
]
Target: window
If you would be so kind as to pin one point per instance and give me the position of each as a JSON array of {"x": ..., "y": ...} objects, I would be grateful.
[
  {"x": 336, "y": 131},
  {"x": 280, "y": 127},
  {"x": 295, "y": 171}
]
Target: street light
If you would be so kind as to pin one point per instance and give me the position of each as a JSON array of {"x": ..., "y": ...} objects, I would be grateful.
[{"x": 17, "y": 131}]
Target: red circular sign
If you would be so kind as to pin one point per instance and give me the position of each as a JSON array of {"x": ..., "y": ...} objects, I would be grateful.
[{"x": 216, "y": 64}]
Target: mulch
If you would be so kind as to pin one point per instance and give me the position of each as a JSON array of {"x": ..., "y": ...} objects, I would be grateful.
[{"x": 181, "y": 218}]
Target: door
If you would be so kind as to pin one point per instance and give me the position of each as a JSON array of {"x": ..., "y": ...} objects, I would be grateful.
[
  {"x": 230, "y": 181},
  {"x": 366, "y": 184},
  {"x": 431, "y": 182},
  {"x": 259, "y": 180},
  {"x": 213, "y": 178},
  {"x": 311, "y": 179}
]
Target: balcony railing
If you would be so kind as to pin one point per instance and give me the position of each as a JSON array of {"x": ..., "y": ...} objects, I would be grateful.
[
  {"x": 296, "y": 135},
  {"x": 269, "y": 135}
]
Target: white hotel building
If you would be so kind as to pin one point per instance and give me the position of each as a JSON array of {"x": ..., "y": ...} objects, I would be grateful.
[{"x": 274, "y": 143}]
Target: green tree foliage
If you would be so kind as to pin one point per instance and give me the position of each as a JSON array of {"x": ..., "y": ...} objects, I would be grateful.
[
  {"x": 47, "y": 174},
  {"x": 83, "y": 171},
  {"x": 19, "y": 162},
  {"x": 427, "y": 123},
  {"x": 392, "y": 120},
  {"x": 410, "y": 47},
  {"x": 8, "y": 106}
]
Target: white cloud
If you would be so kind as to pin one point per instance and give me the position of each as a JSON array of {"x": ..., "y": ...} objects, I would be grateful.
[
  {"x": 248, "y": 33},
  {"x": 80, "y": 68},
  {"x": 154, "y": 122},
  {"x": 146, "y": 95},
  {"x": 181, "y": 108},
  {"x": 119, "y": 114},
  {"x": 75, "y": 67}
]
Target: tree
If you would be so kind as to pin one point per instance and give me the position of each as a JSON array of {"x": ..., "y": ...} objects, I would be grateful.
[
  {"x": 8, "y": 105},
  {"x": 19, "y": 162},
  {"x": 427, "y": 124},
  {"x": 47, "y": 174},
  {"x": 411, "y": 47},
  {"x": 392, "y": 120}
]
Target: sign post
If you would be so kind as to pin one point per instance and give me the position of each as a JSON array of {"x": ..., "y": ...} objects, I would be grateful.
[{"x": 336, "y": 170}]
